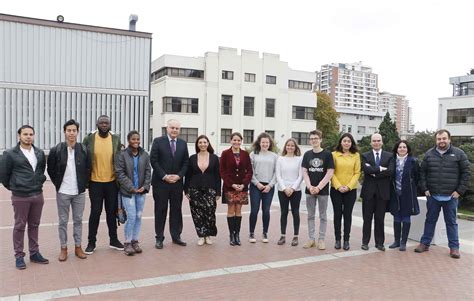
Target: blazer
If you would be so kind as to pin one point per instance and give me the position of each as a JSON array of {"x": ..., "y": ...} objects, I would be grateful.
[
  {"x": 164, "y": 163},
  {"x": 231, "y": 173},
  {"x": 210, "y": 178},
  {"x": 405, "y": 204},
  {"x": 124, "y": 171},
  {"x": 376, "y": 184}
]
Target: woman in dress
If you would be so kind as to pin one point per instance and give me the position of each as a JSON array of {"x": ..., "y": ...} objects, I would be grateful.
[
  {"x": 202, "y": 188},
  {"x": 344, "y": 186},
  {"x": 236, "y": 173},
  {"x": 133, "y": 173},
  {"x": 289, "y": 176},
  {"x": 403, "y": 193}
]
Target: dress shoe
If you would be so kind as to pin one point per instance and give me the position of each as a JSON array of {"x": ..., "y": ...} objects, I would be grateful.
[
  {"x": 346, "y": 246},
  {"x": 79, "y": 253},
  {"x": 20, "y": 263},
  {"x": 159, "y": 244},
  {"x": 395, "y": 244},
  {"x": 421, "y": 248},
  {"x": 337, "y": 245},
  {"x": 454, "y": 253},
  {"x": 403, "y": 247},
  {"x": 63, "y": 254},
  {"x": 38, "y": 258},
  {"x": 179, "y": 242},
  {"x": 364, "y": 247},
  {"x": 380, "y": 247}
]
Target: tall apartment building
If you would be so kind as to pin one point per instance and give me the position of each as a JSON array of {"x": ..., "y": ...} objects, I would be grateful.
[
  {"x": 456, "y": 113},
  {"x": 398, "y": 107},
  {"x": 225, "y": 91}
]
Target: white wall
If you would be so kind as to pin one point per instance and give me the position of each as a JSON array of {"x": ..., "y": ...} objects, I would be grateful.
[{"x": 456, "y": 102}]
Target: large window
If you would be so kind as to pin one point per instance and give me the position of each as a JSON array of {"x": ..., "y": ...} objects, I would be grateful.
[
  {"x": 249, "y": 106},
  {"x": 271, "y": 133},
  {"x": 227, "y": 74},
  {"x": 295, "y": 84},
  {"x": 461, "y": 115},
  {"x": 177, "y": 72},
  {"x": 301, "y": 137},
  {"x": 250, "y": 77},
  {"x": 151, "y": 108},
  {"x": 271, "y": 80},
  {"x": 180, "y": 105},
  {"x": 303, "y": 113},
  {"x": 270, "y": 107},
  {"x": 225, "y": 135},
  {"x": 187, "y": 134},
  {"x": 226, "y": 104},
  {"x": 248, "y": 136}
]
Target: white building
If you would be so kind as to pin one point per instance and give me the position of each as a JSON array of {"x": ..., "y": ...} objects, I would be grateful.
[
  {"x": 225, "y": 91},
  {"x": 54, "y": 71},
  {"x": 359, "y": 123},
  {"x": 350, "y": 86},
  {"x": 456, "y": 113}
]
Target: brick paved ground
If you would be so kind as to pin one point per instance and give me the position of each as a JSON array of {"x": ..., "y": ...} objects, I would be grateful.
[{"x": 316, "y": 274}]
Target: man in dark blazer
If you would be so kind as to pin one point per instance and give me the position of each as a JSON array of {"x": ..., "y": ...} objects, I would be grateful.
[
  {"x": 169, "y": 158},
  {"x": 375, "y": 191}
]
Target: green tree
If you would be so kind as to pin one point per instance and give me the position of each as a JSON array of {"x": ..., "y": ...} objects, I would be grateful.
[
  {"x": 421, "y": 142},
  {"x": 388, "y": 130},
  {"x": 326, "y": 116},
  {"x": 364, "y": 144}
]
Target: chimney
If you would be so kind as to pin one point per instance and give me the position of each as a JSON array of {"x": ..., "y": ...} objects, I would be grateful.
[{"x": 132, "y": 22}]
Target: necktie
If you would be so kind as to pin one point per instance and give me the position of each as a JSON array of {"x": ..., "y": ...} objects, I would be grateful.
[
  {"x": 173, "y": 147},
  {"x": 377, "y": 159}
]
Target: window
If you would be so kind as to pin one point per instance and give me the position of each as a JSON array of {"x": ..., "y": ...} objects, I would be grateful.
[
  {"x": 270, "y": 107},
  {"x": 372, "y": 130},
  {"x": 177, "y": 72},
  {"x": 303, "y": 113},
  {"x": 150, "y": 136},
  {"x": 151, "y": 108},
  {"x": 248, "y": 105},
  {"x": 187, "y": 134},
  {"x": 248, "y": 136},
  {"x": 226, "y": 104},
  {"x": 460, "y": 115},
  {"x": 349, "y": 128},
  {"x": 271, "y": 80},
  {"x": 250, "y": 77},
  {"x": 295, "y": 84},
  {"x": 225, "y": 135},
  {"x": 271, "y": 133},
  {"x": 227, "y": 75},
  {"x": 361, "y": 130},
  {"x": 180, "y": 104},
  {"x": 301, "y": 137}
]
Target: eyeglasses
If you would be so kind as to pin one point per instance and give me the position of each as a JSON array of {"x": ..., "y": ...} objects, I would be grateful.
[{"x": 315, "y": 138}]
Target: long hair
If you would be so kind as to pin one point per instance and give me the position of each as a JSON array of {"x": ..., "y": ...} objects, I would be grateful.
[
  {"x": 353, "y": 149},
  {"x": 209, "y": 146},
  {"x": 297, "y": 148},
  {"x": 256, "y": 145}
]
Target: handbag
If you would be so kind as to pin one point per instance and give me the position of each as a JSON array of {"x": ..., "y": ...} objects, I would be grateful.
[
  {"x": 241, "y": 197},
  {"x": 121, "y": 214}
]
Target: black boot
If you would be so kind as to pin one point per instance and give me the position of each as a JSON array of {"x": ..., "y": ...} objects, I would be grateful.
[
  {"x": 238, "y": 221},
  {"x": 405, "y": 231},
  {"x": 397, "y": 229},
  {"x": 231, "y": 224}
]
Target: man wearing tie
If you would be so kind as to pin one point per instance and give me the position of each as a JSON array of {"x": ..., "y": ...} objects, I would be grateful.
[
  {"x": 169, "y": 158},
  {"x": 375, "y": 191}
]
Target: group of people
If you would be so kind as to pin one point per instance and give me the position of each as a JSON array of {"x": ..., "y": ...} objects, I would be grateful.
[{"x": 115, "y": 174}]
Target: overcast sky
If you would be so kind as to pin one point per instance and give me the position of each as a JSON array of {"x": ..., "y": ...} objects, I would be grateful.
[{"x": 414, "y": 46}]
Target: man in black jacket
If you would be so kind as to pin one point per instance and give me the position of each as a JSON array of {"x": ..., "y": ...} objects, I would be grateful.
[
  {"x": 444, "y": 176},
  {"x": 69, "y": 167},
  {"x": 169, "y": 159},
  {"x": 375, "y": 191},
  {"x": 22, "y": 172}
]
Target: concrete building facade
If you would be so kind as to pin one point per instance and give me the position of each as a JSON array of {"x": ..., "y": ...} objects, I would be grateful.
[
  {"x": 359, "y": 123},
  {"x": 398, "y": 107}
]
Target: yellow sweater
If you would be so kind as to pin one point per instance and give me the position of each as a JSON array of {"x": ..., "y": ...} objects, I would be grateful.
[{"x": 346, "y": 170}]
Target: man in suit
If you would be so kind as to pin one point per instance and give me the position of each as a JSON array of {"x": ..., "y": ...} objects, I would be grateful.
[
  {"x": 169, "y": 158},
  {"x": 375, "y": 191}
]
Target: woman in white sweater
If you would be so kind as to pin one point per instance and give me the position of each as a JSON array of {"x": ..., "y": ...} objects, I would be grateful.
[{"x": 289, "y": 176}]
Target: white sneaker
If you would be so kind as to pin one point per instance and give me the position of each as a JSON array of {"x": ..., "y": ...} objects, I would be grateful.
[
  {"x": 252, "y": 238},
  {"x": 201, "y": 241},
  {"x": 264, "y": 238},
  {"x": 208, "y": 240}
]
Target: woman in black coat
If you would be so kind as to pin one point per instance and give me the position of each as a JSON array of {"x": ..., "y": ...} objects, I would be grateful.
[{"x": 403, "y": 193}]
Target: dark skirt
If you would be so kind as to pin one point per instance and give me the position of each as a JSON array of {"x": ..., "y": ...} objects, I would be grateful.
[{"x": 203, "y": 210}]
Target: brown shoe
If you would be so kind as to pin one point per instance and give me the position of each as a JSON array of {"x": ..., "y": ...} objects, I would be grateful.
[
  {"x": 79, "y": 253},
  {"x": 422, "y": 248},
  {"x": 454, "y": 253},
  {"x": 63, "y": 255},
  {"x": 136, "y": 246}
]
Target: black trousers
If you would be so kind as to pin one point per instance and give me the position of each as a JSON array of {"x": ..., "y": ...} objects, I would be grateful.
[
  {"x": 373, "y": 208},
  {"x": 100, "y": 194},
  {"x": 294, "y": 199},
  {"x": 174, "y": 195},
  {"x": 342, "y": 204}
]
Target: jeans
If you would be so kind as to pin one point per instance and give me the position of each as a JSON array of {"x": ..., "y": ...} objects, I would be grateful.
[
  {"x": 76, "y": 203},
  {"x": 266, "y": 199},
  {"x": 449, "y": 212},
  {"x": 311, "y": 201},
  {"x": 134, "y": 208}
]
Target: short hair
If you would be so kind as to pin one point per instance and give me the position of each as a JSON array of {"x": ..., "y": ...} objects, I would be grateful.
[
  {"x": 25, "y": 126},
  {"x": 209, "y": 146},
  {"x": 316, "y": 133},
  {"x": 103, "y": 116},
  {"x": 353, "y": 149},
  {"x": 297, "y": 148},
  {"x": 441, "y": 131},
  {"x": 256, "y": 145},
  {"x": 236, "y": 134},
  {"x": 395, "y": 147},
  {"x": 71, "y": 122},
  {"x": 131, "y": 133}
]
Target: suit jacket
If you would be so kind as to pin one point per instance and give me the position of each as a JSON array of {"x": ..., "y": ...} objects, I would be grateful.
[
  {"x": 376, "y": 184},
  {"x": 231, "y": 173},
  {"x": 164, "y": 163}
]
